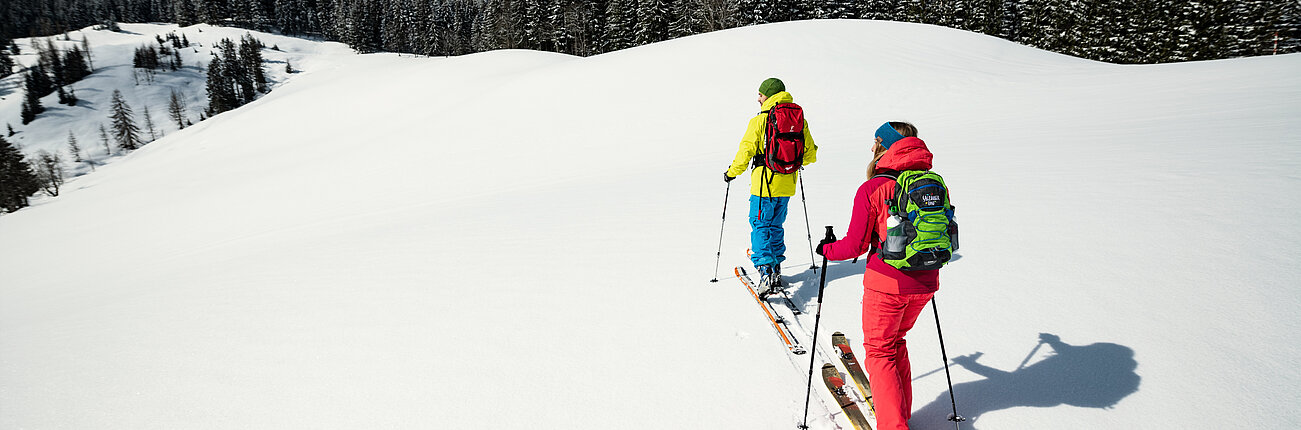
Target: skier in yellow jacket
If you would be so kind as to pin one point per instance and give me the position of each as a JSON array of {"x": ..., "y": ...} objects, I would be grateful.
[{"x": 769, "y": 191}]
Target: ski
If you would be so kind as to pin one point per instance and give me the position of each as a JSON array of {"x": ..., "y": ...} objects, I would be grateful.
[
  {"x": 790, "y": 304},
  {"x": 836, "y": 384},
  {"x": 854, "y": 368},
  {"x": 785, "y": 292},
  {"x": 778, "y": 323}
]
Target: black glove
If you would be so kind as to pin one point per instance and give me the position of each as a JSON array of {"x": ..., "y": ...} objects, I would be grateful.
[
  {"x": 824, "y": 242},
  {"x": 727, "y": 178}
]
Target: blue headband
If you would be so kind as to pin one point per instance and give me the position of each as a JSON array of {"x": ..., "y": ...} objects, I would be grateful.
[{"x": 888, "y": 135}]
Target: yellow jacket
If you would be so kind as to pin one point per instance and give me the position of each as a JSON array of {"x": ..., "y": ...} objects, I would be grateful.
[{"x": 763, "y": 182}]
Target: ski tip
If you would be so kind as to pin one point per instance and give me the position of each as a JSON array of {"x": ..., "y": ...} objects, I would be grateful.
[{"x": 798, "y": 350}]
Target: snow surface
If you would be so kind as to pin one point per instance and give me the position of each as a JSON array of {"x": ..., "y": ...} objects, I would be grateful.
[{"x": 518, "y": 239}]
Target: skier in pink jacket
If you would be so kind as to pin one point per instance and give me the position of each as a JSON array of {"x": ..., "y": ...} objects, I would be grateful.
[{"x": 892, "y": 299}]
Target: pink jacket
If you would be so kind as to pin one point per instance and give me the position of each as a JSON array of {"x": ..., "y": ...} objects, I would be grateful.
[{"x": 867, "y": 224}]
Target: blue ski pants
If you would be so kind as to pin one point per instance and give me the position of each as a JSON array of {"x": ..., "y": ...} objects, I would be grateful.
[{"x": 767, "y": 237}]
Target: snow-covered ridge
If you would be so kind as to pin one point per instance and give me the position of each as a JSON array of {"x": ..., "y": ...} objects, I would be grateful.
[
  {"x": 111, "y": 57},
  {"x": 524, "y": 240}
]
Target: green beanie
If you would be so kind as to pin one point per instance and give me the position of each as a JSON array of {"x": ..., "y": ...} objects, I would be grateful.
[{"x": 771, "y": 86}]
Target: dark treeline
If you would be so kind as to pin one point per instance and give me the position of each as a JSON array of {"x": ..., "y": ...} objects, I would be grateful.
[{"x": 1120, "y": 31}]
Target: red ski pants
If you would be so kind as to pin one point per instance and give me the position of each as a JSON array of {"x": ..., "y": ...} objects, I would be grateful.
[{"x": 886, "y": 319}]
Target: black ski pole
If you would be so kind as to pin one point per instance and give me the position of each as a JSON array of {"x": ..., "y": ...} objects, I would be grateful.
[
  {"x": 822, "y": 285},
  {"x": 719, "y": 255},
  {"x": 808, "y": 230},
  {"x": 953, "y": 417}
]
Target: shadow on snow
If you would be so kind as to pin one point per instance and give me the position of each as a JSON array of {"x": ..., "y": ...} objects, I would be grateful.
[{"x": 1091, "y": 376}]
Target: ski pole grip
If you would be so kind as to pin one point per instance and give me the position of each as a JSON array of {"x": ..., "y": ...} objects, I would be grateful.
[{"x": 830, "y": 235}]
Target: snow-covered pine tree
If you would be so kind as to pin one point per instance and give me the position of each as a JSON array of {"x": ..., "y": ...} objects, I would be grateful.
[
  {"x": 752, "y": 12},
  {"x": 393, "y": 26},
  {"x": 837, "y": 9},
  {"x": 249, "y": 14},
  {"x": 689, "y": 18},
  {"x": 1286, "y": 18},
  {"x": 652, "y": 22},
  {"x": 1250, "y": 32},
  {"x": 591, "y": 25},
  {"x": 566, "y": 29},
  {"x": 183, "y": 13},
  {"x": 621, "y": 21},
  {"x": 883, "y": 10},
  {"x": 125, "y": 130}
]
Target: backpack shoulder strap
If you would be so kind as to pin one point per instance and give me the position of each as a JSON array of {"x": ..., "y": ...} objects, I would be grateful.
[{"x": 893, "y": 201}]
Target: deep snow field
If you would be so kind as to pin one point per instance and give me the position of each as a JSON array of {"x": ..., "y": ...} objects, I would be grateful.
[{"x": 518, "y": 239}]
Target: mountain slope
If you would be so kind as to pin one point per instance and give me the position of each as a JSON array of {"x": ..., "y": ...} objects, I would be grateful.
[{"x": 519, "y": 239}]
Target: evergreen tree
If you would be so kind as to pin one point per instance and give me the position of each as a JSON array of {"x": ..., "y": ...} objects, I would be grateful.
[
  {"x": 73, "y": 147},
  {"x": 689, "y": 19},
  {"x": 183, "y": 13},
  {"x": 621, "y": 21},
  {"x": 1285, "y": 17},
  {"x": 103, "y": 139},
  {"x": 58, "y": 73},
  {"x": 6, "y": 63},
  {"x": 751, "y": 12},
  {"x": 149, "y": 125},
  {"x": 17, "y": 180},
  {"x": 125, "y": 130},
  {"x": 176, "y": 110},
  {"x": 85, "y": 46},
  {"x": 250, "y": 58},
  {"x": 237, "y": 73},
  {"x": 653, "y": 18},
  {"x": 32, "y": 102},
  {"x": 882, "y": 10},
  {"x": 75, "y": 65},
  {"x": 838, "y": 9},
  {"x": 40, "y": 85},
  {"x": 221, "y": 92}
]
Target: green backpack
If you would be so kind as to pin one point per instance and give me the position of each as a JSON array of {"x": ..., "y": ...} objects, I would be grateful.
[{"x": 920, "y": 232}]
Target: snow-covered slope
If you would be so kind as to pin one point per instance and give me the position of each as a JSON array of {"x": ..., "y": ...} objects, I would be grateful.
[
  {"x": 111, "y": 56},
  {"x": 524, "y": 240}
]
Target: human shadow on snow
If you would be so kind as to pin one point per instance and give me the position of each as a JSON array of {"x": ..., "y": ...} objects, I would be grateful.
[
  {"x": 808, "y": 279},
  {"x": 1099, "y": 375}
]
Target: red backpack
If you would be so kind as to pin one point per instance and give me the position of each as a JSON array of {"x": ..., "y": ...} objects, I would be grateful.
[{"x": 783, "y": 150}]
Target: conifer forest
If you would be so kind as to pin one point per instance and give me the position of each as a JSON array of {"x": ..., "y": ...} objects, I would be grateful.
[{"x": 1116, "y": 31}]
